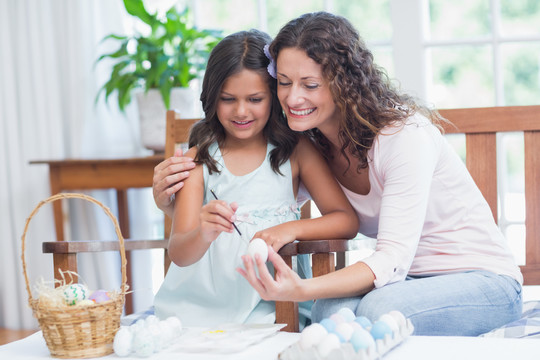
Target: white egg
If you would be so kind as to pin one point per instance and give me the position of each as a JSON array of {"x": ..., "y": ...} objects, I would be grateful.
[
  {"x": 143, "y": 343},
  {"x": 399, "y": 317},
  {"x": 158, "y": 337},
  {"x": 345, "y": 330},
  {"x": 122, "y": 341},
  {"x": 392, "y": 323},
  {"x": 151, "y": 319},
  {"x": 258, "y": 246},
  {"x": 347, "y": 314},
  {"x": 168, "y": 333},
  {"x": 329, "y": 343},
  {"x": 175, "y": 324},
  {"x": 312, "y": 335},
  {"x": 137, "y": 325}
]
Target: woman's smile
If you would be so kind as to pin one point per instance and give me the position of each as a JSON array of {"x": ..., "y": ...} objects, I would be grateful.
[{"x": 302, "y": 112}]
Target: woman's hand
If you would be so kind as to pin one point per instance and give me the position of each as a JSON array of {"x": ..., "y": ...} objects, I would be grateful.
[
  {"x": 217, "y": 216},
  {"x": 286, "y": 286},
  {"x": 169, "y": 176}
]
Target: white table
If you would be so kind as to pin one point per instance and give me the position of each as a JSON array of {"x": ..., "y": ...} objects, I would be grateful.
[{"x": 413, "y": 348}]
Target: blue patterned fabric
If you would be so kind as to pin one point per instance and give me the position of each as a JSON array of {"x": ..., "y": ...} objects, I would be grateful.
[{"x": 528, "y": 326}]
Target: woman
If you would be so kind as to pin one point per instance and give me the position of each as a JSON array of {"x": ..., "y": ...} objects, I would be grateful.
[{"x": 440, "y": 258}]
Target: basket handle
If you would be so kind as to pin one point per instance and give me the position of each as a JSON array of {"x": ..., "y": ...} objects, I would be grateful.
[{"x": 84, "y": 197}]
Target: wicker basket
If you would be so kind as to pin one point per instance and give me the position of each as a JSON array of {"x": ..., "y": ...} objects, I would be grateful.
[{"x": 79, "y": 331}]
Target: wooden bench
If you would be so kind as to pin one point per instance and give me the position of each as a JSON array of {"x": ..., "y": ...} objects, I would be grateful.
[{"x": 480, "y": 126}]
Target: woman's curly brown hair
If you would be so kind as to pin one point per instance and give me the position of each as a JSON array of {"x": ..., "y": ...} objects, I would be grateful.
[{"x": 361, "y": 90}]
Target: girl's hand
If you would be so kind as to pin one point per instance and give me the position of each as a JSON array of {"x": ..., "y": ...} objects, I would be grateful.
[
  {"x": 169, "y": 176},
  {"x": 217, "y": 216},
  {"x": 285, "y": 287},
  {"x": 276, "y": 236}
]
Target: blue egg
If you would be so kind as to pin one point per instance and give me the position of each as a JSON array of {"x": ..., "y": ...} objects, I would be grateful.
[
  {"x": 340, "y": 337},
  {"x": 361, "y": 339},
  {"x": 328, "y": 324},
  {"x": 364, "y": 321},
  {"x": 380, "y": 329},
  {"x": 347, "y": 314}
]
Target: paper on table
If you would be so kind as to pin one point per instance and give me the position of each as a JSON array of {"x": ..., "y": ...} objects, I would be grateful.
[{"x": 227, "y": 338}]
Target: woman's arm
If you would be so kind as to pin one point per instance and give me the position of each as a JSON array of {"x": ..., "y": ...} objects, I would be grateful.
[
  {"x": 338, "y": 218},
  {"x": 353, "y": 280},
  {"x": 169, "y": 176},
  {"x": 195, "y": 226}
]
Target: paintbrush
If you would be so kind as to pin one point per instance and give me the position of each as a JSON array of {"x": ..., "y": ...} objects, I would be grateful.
[{"x": 214, "y": 194}]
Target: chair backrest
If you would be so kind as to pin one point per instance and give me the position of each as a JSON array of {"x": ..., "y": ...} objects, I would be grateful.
[
  {"x": 177, "y": 133},
  {"x": 480, "y": 126}
]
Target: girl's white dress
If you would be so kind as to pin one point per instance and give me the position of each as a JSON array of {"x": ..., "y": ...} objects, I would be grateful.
[{"x": 211, "y": 292}]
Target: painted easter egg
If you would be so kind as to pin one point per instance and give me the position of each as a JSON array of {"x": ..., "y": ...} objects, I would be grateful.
[
  {"x": 380, "y": 329},
  {"x": 99, "y": 296},
  {"x": 74, "y": 293},
  {"x": 337, "y": 318},
  {"x": 361, "y": 339},
  {"x": 329, "y": 324},
  {"x": 85, "y": 302},
  {"x": 364, "y": 321},
  {"x": 258, "y": 246}
]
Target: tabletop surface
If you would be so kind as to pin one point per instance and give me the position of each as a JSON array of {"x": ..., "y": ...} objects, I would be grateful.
[
  {"x": 413, "y": 348},
  {"x": 71, "y": 161}
]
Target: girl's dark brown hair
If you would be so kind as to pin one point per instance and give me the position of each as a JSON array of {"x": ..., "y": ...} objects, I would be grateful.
[
  {"x": 236, "y": 52},
  {"x": 361, "y": 90}
]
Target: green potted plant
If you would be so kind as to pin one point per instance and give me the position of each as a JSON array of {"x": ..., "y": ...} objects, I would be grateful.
[{"x": 158, "y": 68}]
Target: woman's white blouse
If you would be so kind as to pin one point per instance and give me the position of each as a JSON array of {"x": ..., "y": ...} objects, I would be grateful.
[{"x": 425, "y": 210}]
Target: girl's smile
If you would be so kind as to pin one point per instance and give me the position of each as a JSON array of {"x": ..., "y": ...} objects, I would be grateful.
[{"x": 244, "y": 105}]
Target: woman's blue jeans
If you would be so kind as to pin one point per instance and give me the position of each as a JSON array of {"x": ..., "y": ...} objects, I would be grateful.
[{"x": 462, "y": 304}]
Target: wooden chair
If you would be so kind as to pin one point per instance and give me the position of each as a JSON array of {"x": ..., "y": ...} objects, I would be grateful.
[{"x": 480, "y": 126}]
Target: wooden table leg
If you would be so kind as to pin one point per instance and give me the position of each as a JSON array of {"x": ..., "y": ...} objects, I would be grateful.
[
  {"x": 123, "y": 222},
  {"x": 54, "y": 174}
]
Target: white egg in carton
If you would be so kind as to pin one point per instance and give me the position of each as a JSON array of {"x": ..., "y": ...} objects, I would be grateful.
[{"x": 316, "y": 343}]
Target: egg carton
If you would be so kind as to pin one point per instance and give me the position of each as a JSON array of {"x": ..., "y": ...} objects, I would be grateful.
[{"x": 346, "y": 350}]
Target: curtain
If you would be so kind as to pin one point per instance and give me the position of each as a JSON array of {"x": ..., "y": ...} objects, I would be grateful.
[{"x": 48, "y": 83}]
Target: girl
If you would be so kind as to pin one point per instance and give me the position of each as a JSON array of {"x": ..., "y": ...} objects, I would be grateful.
[{"x": 247, "y": 157}]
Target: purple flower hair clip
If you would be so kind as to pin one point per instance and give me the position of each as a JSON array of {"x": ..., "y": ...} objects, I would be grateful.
[{"x": 272, "y": 66}]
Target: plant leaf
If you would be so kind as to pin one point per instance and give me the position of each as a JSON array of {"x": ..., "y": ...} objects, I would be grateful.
[{"x": 136, "y": 8}]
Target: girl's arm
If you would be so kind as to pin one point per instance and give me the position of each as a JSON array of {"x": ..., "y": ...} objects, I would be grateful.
[
  {"x": 353, "y": 280},
  {"x": 338, "y": 218},
  {"x": 194, "y": 226}
]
